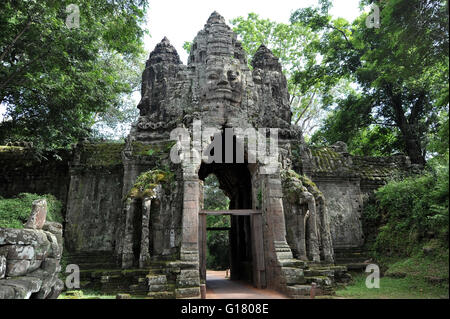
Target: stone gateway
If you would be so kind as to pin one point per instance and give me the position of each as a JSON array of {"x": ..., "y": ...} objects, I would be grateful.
[{"x": 135, "y": 221}]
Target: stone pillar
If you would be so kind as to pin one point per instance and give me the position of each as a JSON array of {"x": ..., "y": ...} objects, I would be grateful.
[
  {"x": 144, "y": 257},
  {"x": 191, "y": 209},
  {"x": 127, "y": 248},
  {"x": 327, "y": 243},
  {"x": 313, "y": 242},
  {"x": 301, "y": 242},
  {"x": 277, "y": 248},
  {"x": 38, "y": 215}
]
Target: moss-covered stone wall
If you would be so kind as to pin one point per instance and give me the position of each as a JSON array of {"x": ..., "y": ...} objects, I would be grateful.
[{"x": 21, "y": 171}]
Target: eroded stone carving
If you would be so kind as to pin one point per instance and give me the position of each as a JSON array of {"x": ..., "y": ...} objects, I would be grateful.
[{"x": 30, "y": 258}]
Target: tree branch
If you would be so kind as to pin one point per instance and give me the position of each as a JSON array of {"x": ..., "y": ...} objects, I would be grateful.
[
  {"x": 15, "y": 40},
  {"x": 306, "y": 108}
]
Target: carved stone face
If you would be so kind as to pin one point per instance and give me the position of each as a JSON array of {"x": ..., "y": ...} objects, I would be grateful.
[{"x": 223, "y": 82}]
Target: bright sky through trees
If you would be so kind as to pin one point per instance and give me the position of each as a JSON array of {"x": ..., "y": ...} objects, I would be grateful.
[{"x": 180, "y": 21}]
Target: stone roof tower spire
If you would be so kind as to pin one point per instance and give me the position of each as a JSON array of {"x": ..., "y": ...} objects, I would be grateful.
[
  {"x": 216, "y": 40},
  {"x": 216, "y": 18}
]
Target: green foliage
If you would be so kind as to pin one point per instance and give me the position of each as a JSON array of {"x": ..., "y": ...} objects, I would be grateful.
[
  {"x": 145, "y": 184},
  {"x": 411, "y": 212},
  {"x": 187, "y": 46},
  {"x": 214, "y": 197},
  {"x": 14, "y": 212},
  {"x": 393, "y": 288},
  {"x": 218, "y": 256},
  {"x": 58, "y": 82},
  {"x": 401, "y": 70}
]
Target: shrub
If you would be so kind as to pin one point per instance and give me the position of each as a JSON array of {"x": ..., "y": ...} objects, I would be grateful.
[{"x": 411, "y": 212}]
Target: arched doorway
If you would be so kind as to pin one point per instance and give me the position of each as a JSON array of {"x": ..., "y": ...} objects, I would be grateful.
[{"x": 235, "y": 181}]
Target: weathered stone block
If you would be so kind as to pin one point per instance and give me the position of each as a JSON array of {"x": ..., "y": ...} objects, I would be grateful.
[
  {"x": 157, "y": 288},
  {"x": 293, "y": 276},
  {"x": 17, "y": 252},
  {"x": 298, "y": 290},
  {"x": 34, "y": 265},
  {"x": 55, "y": 250},
  {"x": 56, "y": 229},
  {"x": 188, "y": 278},
  {"x": 16, "y": 268},
  {"x": 23, "y": 287},
  {"x": 38, "y": 214},
  {"x": 51, "y": 265},
  {"x": 156, "y": 280},
  {"x": 161, "y": 295},
  {"x": 56, "y": 290},
  {"x": 187, "y": 293},
  {"x": 6, "y": 292},
  {"x": 21, "y": 237}
]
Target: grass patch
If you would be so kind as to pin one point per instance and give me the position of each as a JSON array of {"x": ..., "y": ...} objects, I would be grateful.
[
  {"x": 422, "y": 266},
  {"x": 14, "y": 212},
  {"x": 393, "y": 288}
]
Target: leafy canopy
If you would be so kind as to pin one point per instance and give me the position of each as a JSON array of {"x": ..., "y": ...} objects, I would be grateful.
[
  {"x": 401, "y": 70},
  {"x": 55, "y": 81}
]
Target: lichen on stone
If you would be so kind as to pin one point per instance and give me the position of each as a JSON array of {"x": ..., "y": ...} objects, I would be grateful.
[
  {"x": 146, "y": 183},
  {"x": 102, "y": 154},
  {"x": 294, "y": 183},
  {"x": 141, "y": 149}
]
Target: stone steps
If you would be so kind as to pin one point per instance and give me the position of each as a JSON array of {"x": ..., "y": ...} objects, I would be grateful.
[
  {"x": 154, "y": 282},
  {"x": 354, "y": 258},
  {"x": 298, "y": 291},
  {"x": 92, "y": 260},
  {"x": 300, "y": 279}
]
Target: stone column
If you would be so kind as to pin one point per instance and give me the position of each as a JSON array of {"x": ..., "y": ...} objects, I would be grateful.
[
  {"x": 127, "y": 248},
  {"x": 144, "y": 258},
  {"x": 191, "y": 209},
  {"x": 313, "y": 242},
  {"x": 301, "y": 238},
  {"x": 277, "y": 248},
  {"x": 327, "y": 243}
]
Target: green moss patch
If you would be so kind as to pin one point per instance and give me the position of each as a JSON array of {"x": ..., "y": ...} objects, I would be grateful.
[
  {"x": 294, "y": 183},
  {"x": 141, "y": 149},
  {"x": 102, "y": 154},
  {"x": 145, "y": 185}
]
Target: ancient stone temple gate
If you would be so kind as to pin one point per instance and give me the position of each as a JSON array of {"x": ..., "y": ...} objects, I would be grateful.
[{"x": 134, "y": 212}]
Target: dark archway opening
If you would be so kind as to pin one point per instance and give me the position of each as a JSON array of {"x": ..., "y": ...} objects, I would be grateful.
[{"x": 236, "y": 182}]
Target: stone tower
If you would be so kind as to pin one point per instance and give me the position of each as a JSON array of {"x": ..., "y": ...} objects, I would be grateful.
[
  {"x": 219, "y": 90},
  {"x": 216, "y": 107}
]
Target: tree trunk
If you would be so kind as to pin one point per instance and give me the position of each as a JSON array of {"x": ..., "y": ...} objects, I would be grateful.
[{"x": 409, "y": 135}]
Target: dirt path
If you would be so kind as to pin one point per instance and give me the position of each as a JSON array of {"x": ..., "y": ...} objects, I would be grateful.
[{"x": 218, "y": 287}]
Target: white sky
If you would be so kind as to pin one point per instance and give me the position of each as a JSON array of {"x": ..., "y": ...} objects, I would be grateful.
[{"x": 180, "y": 21}]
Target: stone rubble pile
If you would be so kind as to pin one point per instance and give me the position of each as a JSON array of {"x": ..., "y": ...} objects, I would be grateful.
[{"x": 30, "y": 258}]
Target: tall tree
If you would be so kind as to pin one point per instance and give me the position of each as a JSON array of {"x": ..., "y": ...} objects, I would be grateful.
[
  {"x": 401, "y": 69},
  {"x": 57, "y": 79}
]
